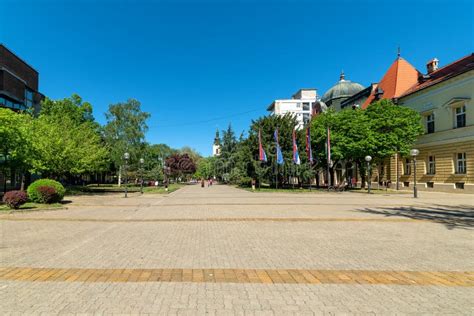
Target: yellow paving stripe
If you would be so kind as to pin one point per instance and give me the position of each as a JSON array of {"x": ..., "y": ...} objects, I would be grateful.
[
  {"x": 262, "y": 276},
  {"x": 213, "y": 219}
]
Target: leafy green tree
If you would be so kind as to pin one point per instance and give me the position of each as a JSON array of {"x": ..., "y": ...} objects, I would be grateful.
[
  {"x": 225, "y": 162},
  {"x": 66, "y": 139},
  {"x": 380, "y": 131},
  {"x": 155, "y": 156},
  {"x": 125, "y": 132},
  {"x": 205, "y": 168},
  {"x": 267, "y": 125},
  {"x": 192, "y": 153},
  {"x": 74, "y": 108},
  {"x": 395, "y": 128},
  {"x": 16, "y": 149},
  {"x": 351, "y": 137},
  {"x": 66, "y": 148}
]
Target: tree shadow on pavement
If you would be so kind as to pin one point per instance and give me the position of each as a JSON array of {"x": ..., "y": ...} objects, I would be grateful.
[{"x": 460, "y": 216}]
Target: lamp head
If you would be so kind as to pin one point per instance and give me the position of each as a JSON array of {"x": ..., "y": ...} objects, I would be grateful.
[
  {"x": 126, "y": 156},
  {"x": 368, "y": 158},
  {"x": 142, "y": 161},
  {"x": 414, "y": 152}
]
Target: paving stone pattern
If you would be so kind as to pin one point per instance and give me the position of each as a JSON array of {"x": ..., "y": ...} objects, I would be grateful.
[{"x": 226, "y": 251}]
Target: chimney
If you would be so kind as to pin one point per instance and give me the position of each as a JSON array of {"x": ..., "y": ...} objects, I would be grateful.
[{"x": 432, "y": 65}]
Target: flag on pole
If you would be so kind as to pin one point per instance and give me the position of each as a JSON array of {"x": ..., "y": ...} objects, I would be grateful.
[
  {"x": 296, "y": 156},
  {"x": 262, "y": 156},
  {"x": 309, "y": 151},
  {"x": 279, "y": 155},
  {"x": 328, "y": 146}
]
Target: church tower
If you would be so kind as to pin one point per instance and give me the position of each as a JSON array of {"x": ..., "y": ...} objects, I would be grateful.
[{"x": 216, "y": 147}]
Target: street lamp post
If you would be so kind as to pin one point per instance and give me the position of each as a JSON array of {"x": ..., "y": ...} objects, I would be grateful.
[
  {"x": 369, "y": 174},
  {"x": 414, "y": 153},
  {"x": 142, "y": 161},
  {"x": 126, "y": 157}
]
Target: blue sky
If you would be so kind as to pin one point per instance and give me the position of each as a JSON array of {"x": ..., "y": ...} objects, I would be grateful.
[{"x": 200, "y": 65}]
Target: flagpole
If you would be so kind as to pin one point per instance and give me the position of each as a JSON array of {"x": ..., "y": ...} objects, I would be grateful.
[
  {"x": 328, "y": 148},
  {"x": 293, "y": 180},
  {"x": 276, "y": 175},
  {"x": 310, "y": 174}
]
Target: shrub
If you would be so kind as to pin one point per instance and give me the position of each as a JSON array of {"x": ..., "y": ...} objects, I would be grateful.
[
  {"x": 47, "y": 195},
  {"x": 35, "y": 196},
  {"x": 15, "y": 199},
  {"x": 245, "y": 182}
]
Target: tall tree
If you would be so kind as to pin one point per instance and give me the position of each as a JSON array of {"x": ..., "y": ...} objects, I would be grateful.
[
  {"x": 395, "y": 128},
  {"x": 191, "y": 152},
  {"x": 205, "y": 168},
  {"x": 155, "y": 156},
  {"x": 16, "y": 143},
  {"x": 125, "y": 132},
  {"x": 74, "y": 108},
  {"x": 271, "y": 172},
  {"x": 66, "y": 139},
  {"x": 181, "y": 165},
  {"x": 66, "y": 148}
]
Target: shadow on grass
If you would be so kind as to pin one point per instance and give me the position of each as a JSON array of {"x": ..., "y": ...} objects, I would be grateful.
[{"x": 460, "y": 216}]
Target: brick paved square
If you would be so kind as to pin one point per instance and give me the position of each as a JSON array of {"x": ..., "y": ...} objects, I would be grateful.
[{"x": 226, "y": 251}]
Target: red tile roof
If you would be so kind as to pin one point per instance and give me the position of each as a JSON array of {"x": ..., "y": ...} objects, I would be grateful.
[
  {"x": 400, "y": 77},
  {"x": 449, "y": 71}
]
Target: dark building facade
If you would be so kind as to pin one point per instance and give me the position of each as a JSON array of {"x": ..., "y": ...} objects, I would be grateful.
[{"x": 18, "y": 83}]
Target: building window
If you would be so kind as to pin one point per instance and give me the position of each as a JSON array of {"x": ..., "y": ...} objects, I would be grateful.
[
  {"x": 28, "y": 98},
  {"x": 430, "y": 123},
  {"x": 306, "y": 106},
  {"x": 407, "y": 167},
  {"x": 431, "y": 165},
  {"x": 2, "y": 101},
  {"x": 460, "y": 116},
  {"x": 459, "y": 185},
  {"x": 430, "y": 184},
  {"x": 461, "y": 163},
  {"x": 298, "y": 105},
  {"x": 306, "y": 117}
]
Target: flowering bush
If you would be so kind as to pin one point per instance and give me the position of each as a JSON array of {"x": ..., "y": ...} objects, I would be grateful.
[
  {"x": 15, "y": 199},
  {"x": 35, "y": 196}
]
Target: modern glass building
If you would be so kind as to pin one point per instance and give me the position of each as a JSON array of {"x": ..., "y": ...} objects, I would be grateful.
[{"x": 18, "y": 83}]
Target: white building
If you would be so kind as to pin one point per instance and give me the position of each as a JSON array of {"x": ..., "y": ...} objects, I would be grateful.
[{"x": 301, "y": 105}]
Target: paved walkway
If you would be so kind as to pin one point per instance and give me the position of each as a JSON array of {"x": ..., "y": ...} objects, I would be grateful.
[{"x": 225, "y": 251}]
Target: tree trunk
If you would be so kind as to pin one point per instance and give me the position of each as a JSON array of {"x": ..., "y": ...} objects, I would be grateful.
[
  {"x": 120, "y": 176},
  {"x": 362, "y": 171},
  {"x": 22, "y": 186}
]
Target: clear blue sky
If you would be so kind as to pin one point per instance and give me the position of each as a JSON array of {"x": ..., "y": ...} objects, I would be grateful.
[{"x": 194, "y": 61}]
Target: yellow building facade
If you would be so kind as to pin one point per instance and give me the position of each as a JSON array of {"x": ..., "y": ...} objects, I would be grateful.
[{"x": 445, "y": 100}]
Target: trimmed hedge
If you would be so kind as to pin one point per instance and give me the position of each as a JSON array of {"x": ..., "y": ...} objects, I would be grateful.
[
  {"x": 35, "y": 195},
  {"x": 15, "y": 199}
]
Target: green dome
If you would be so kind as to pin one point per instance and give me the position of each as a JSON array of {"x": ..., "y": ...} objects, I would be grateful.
[{"x": 342, "y": 89}]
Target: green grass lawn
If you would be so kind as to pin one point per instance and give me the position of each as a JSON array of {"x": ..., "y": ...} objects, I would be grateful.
[
  {"x": 31, "y": 207},
  {"x": 161, "y": 190},
  {"x": 114, "y": 188},
  {"x": 284, "y": 190},
  {"x": 322, "y": 190},
  {"x": 380, "y": 191}
]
